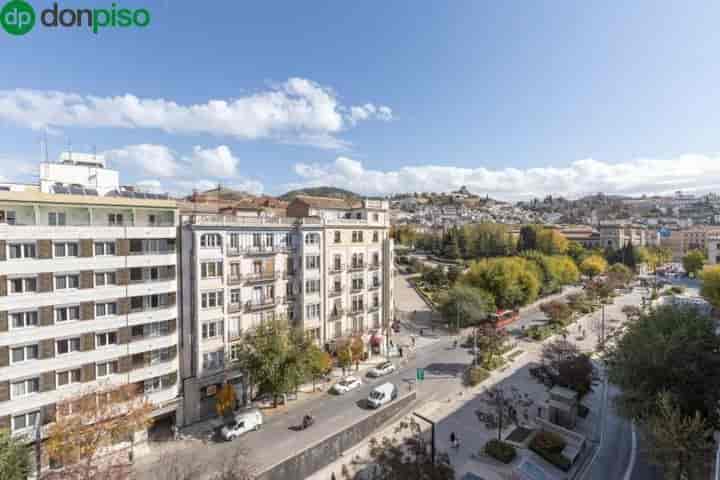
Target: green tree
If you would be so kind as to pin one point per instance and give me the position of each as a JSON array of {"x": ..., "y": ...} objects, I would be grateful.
[
  {"x": 453, "y": 274},
  {"x": 513, "y": 281},
  {"x": 552, "y": 242},
  {"x": 673, "y": 350},
  {"x": 576, "y": 251},
  {"x": 344, "y": 357},
  {"x": 467, "y": 305},
  {"x": 14, "y": 457},
  {"x": 274, "y": 357},
  {"x": 528, "y": 238},
  {"x": 680, "y": 441},
  {"x": 451, "y": 249},
  {"x": 710, "y": 287},
  {"x": 490, "y": 342},
  {"x": 619, "y": 274},
  {"x": 593, "y": 265},
  {"x": 557, "y": 312},
  {"x": 693, "y": 262},
  {"x": 318, "y": 363}
]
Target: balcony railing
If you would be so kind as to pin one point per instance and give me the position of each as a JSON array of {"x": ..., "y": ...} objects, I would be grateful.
[
  {"x": 374, "y": 286},
  {"x": 337, "y": 268},
  {"x": 259, "y": 304},
  {"x": 373, "y": 308},
  {"x": 374, "y": 266},
  {"x": 261, "y": 277},
  {"x": 234, "y": 280},
  {"x": 266, "y": 250},
  {"x": 357, "y": 310},
  {"x": 336, "y": 291},
  {"x": 356, "y": 267},
  {"x": 357, "y": 288},
  {"x": 336, "y": 313},
  {"x": 234, "y": 307}
]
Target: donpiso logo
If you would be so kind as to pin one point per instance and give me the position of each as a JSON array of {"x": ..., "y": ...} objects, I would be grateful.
[{"x": 17, "y": 17}]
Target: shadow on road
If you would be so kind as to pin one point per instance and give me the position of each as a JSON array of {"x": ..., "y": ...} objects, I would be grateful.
[{"x": 446, "y": 369}]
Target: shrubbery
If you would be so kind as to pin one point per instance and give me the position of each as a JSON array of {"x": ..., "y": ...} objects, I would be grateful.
[
  {"x": 501, "y": 451},
  {"x": 475, "y": 375},
  {"x": 549, "y": 446}
]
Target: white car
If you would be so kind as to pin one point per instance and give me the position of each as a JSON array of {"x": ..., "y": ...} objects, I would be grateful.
[
  {"x": 242, "y": 423},
  {"x": 381, "y": 369},
  {"x": 346, "y": 384}
]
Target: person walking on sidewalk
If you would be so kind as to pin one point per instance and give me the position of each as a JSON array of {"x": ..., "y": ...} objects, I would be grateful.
[{"x": 332, "y": 476}]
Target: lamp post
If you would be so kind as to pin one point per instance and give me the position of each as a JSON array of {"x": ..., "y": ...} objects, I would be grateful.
[{"x": 432, "y": 435}]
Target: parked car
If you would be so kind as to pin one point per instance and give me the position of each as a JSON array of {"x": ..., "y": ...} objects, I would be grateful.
[
  {"x": 381, "y": 395},
  {"x": 265, "y": 400},
  {"x": 381, "y": 369},
  {"x": 346, "y": 384},
  {"x": 243, "y": 422}
]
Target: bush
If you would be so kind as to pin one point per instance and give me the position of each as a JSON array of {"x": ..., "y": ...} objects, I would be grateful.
[
  {"x": 475, "y": 375},
  {"x": 492, "y": 363},
  {"x": 541, "y": 332},
  {"x": 549, "y": 445},
  {"x": 501, "y": 451}
]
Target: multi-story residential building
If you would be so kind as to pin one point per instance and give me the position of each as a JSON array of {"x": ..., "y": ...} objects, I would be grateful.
[
  {"x": 713, "y": 248},
  {"x": 87, "y": 296},
  {"x": 617, "y": 235},
  {"x": 681, "y": 241},
  {"x": 328, "y": 271}
]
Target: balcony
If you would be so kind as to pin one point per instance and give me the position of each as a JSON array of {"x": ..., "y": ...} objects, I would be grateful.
[
  {"x": 234, "y": 280},
  {"x": 336, "y": 313},
  {"x": 356, "y": 267},
  {"x": 261, "y": 277},
  {"x": 374, "y": 286},
  {"x": 357, "y": 288},
  {"x": 233, "y": 252},
  {"x": 234, "y": 307},
  {"x": 337, "y": 268},
  {"x": 336, "y": 291},
  {"x": 374, "y": 266},
  {"x": 373, "y": 308},
  {"x": 261, "y": 303},
  {"x": 357, "y": 310},
  {"x": 266, "y": 250}
]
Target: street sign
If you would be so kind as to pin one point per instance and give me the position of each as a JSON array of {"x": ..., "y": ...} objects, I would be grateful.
[{"x": 420, "y": 374}]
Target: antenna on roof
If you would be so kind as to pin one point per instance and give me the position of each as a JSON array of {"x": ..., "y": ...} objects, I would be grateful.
[
  {"x": 43, "y": 145},
  {"x": 69, "y": 145}
]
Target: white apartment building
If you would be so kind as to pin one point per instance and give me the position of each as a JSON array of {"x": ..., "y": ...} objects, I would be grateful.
[
  {"x": 329, "y": 274},
  {"x": 88, "y": 293}
]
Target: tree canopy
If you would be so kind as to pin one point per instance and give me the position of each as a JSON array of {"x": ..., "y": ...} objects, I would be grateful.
[
  {"x": 593, "y": 265},
  {"x": 551, "y": 242},
  {"x": 467, "y": 305},
  {"x": 710, "y": 287},
  {"x": 693, "y": 262},
  {"x": 511, "y": 280},
  {"x": 14, "y": 457}
]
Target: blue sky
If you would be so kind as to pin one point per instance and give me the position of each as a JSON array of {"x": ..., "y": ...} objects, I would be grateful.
[{"x": 512, "y": 98}]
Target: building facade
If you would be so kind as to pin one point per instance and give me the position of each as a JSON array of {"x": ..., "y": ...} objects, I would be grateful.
[
  {"x": 329, "y": 274},
  {"x": 619, "y": 235},
  {"x": 88, "y": 294}
]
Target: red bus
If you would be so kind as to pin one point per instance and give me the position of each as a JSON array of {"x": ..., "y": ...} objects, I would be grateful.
[{"x": 503, "y": 318}]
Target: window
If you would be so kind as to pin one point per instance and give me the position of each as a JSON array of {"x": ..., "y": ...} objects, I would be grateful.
[
  {"x": 104, "y": 279},
  {"x": 23, "y": 285},
  {"x": 211, "y": 269},
  {"x": 235, "y": 296},
  {"x": 337, "y": 263},
  {"x": 234, "y": 241},
  {"x": 376, "y": 217},
  {"x": 212, "y": 329},
  {"x": 312, "y": 286},
  {"x": 68, "y": 377},
  {"x": 256, "y": 240},
  {"x": 235, "y": 351},
  {"x": 56, "y": 218},
  {"x": 24, "y": 319},
  {"x": 152, "y": 385},
  {"x": 22, "y": 250},
  {"x": 357, "y": 303},
  {"x": 63, "y": 282},
  {"x": 150, "y": 302},
  {"x": 235, "y": 271},
  {"x": 26, "y": 420},
  {"x": 7, "y": 216},
  {"x": 376, "y": 259},
  {"x": 376, "y": 237},
  {"x": 212, "y": 299},
  {"x": 68, "y": 345},
  {"x": 376, "y": 300},
  {"x": 162, "y": 355},
  {"x": 23, "y": 354},
  {"x": 358, "y": 283},
  {"x": 376, "y": 320},
  {"x": 338, "y": 236},
  {"x": 376, "y": 280},
  {"x": 106, "y": 338},
  {"x": 115, "y": 218},
  {"x": 357, "y": 260},
  {"x": 312, "y": 239},
  {"x": 213, "y": 360},
  {"x": 63, "y": 314},
  {"x": 312, "y": 311},
  {"x": 106, "y": 369},
  {"x": 66, "y": 249},
  {"x": 210, "y": 240},
  {"x": 269, "y": 240},
  {"x": 25, "y": 387},
  {"x": 155, "y": 329},
  {"x": 312, "y": 262},
  {"x": 104, "y": 248},
  {"x": 357, "y": 236}
]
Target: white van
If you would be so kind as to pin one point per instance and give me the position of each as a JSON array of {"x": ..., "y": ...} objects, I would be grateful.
[
  {"x": 381, "y": 395},
  {"x": 243, "y": 422}
]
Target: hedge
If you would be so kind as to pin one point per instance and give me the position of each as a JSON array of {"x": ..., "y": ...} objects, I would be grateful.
[
  {"x": 475, "y": 375},
  {"x": 501, "y": 451},
  {"x": 549, "y": 445}
]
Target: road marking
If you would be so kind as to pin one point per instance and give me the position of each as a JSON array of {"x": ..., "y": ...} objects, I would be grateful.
[{"x": 633, "y": 452}]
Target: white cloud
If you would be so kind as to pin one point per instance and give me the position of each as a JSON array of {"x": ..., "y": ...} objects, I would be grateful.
[
  {"x": 699, "y": 173},
  {"x": 144, "y": 159},
  {"x": 297, "y": 110},
  {"x": 369, "y": 110},
  {"x": 216, "y": 162}
]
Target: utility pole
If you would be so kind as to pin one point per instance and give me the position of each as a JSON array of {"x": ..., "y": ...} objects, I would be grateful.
[{"x": 602, "y": 329}]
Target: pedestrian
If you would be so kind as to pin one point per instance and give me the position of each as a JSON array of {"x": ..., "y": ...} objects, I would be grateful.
[
  {"x": 332, "y": 476},
  {"x": 400, "y": 351}
]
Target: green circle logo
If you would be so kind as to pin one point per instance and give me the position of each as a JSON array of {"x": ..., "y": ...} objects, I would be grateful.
[{"x": 17, "y": 17}]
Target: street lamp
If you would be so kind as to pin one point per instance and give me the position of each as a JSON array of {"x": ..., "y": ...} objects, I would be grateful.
[{"x": 432, "y": 435}]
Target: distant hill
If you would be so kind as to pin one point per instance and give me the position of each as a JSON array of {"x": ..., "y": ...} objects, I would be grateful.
[{"x": 319, "y": 192}]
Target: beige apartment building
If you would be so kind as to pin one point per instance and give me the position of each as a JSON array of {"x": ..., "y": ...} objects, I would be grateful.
[
  {"x": 87, "y": 297},
  {"x": 327, "y": 269},
  {"x": 681, "y": 241}
]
